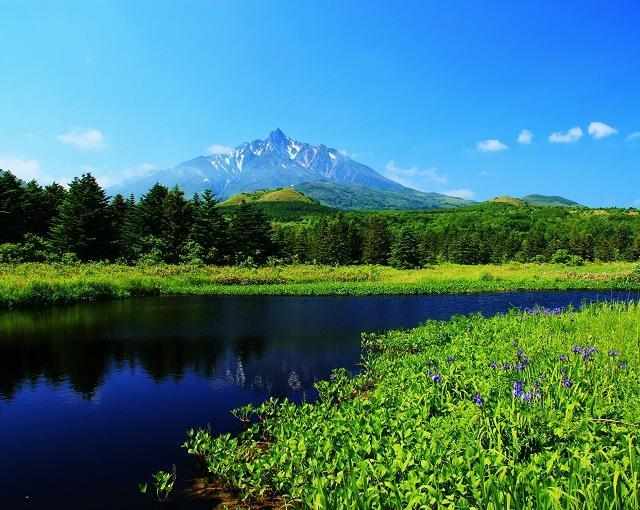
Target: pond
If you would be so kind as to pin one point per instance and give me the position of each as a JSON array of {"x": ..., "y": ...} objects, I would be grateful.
[{"x": 94, "y": 397}]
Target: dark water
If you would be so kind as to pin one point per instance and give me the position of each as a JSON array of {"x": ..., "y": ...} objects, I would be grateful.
[{"x": 94, "y": 397}]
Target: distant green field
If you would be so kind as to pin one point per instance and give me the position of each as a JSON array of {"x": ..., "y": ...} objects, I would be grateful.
[
  {"x": 532, "y": 410},
  {"x": 41, "y": 284}
]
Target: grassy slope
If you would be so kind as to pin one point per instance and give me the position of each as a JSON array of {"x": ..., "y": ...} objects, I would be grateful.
[
  {"x": 283, "y": 204},
  {"x": 275, "y": 195},
  {"x": 549, "y": 200},
  {"x": 410, "y": 432},
  {"x": 39, "y": 284},
  {"x": 356, "y": 197}
]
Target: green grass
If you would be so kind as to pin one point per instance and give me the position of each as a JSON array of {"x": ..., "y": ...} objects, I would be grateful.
[
  {"x": 409, "y": 431},
  {"x": 43, "y": 284}
]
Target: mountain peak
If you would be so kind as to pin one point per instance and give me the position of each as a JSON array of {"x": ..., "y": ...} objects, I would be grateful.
[
  {"x": 276, "y": 162},
  {"x": 277, "y": 137}
]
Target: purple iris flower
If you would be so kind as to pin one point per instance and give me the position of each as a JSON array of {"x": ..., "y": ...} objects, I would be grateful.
[
  {"x": 518, "y": 388},
  {"x": 477, "y": 400}
]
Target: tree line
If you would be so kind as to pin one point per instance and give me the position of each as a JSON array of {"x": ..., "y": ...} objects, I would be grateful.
[{"x": 81, "y": 222}]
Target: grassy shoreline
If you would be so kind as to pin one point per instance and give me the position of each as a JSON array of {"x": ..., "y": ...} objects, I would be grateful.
[
  {"x": 537, "y": 409},
  {"x": 38, "y": 284}
]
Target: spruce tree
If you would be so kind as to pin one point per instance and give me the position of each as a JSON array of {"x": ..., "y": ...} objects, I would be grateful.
[
  {"x": 210, "y": 230},
  {"x": 404, "y": 254},
  {"x": 377, "y": 241},
  {"x": 84, "y": 225},
  {"x": 119, "y": 207},
  {"x": 151, "y": 211},
  {"x": 250, "y": 233},
  {"x": 177, "y": 222},
  {"x": 11, "y": 208},
  {"x": 131, "y": 244}
]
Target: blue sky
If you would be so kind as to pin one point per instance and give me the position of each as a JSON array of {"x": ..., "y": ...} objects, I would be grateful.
[{"x": 435, "y": 94}]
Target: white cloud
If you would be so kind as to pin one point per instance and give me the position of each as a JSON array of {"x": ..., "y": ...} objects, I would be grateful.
[
  {"x": 600, "y": 130},
  {"x": 216, "y": 149},
  {"x": 25, "y": 169},
  {"x": 571, "y": 136},
  {"x": 633, "y": 137},
  {"x": 493, "y": 145},
  {"x": 86, "y": 139},
  {"x": 413, "y": 176},
  {"x": 525, "y": 137},
  {"x": 344, "y": 152},
  {"x": 465, "y": 193}
]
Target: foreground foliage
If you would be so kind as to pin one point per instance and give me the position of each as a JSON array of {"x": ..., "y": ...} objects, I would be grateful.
[
  {"x": 41, "y": 284},
  {"x": 534, "y": 409}
]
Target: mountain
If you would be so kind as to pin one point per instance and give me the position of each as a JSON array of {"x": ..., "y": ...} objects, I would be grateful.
[
  {"x": 506, "y": 199},
  {"x": 284, "y": 204},
  {"x": 548, "y": 200},
  {"x": 358, "y": 197},
  {"x": 271, "y": 195},
  {"x": 538, "y": 200},
  {"x": 276, "y": 162}
]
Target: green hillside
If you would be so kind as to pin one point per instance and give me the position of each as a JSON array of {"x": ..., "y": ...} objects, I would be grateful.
[
  {"x": 507, "y": 200},
  {"x": 548, "y": 200},
  {"x": 282, "y": 204},
  {"x": 356, "y": 197}
]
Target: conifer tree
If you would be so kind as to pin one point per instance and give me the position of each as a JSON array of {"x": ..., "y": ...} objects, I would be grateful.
[
  {"x": 151, "y": 210},
  {"x": 404, "y": 254},
  {"x": 377, "y": 241},
  {"x": 210, "y": 230},
  {"x": 84, "y": 225},
  {"x": 250, "y": 233},
  {"x": 119, "y": 207},
  {"x": 11, "y": 207},
  {"x": 177, "y": 221},
  {"x": 131, "y": 240}
]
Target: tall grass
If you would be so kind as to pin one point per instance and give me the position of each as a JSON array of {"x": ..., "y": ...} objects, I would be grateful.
[
  {"x": 536, "y": 409},
  {"x": 40, "y": 284}
]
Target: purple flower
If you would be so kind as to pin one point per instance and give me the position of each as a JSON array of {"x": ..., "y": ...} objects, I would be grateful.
[
  {"x": 563, "y": 357},
  {"x": 566, "y": 382},
  {"x": 506, "y": 367},
  {"x": 542, "y": 376},
  {"x": 577, "y": 349},
  {"x": 449, "y": 359},
  {"x": 493, "y": 364},
  {"x": 436, "y": 378},
  {"x": 515, "y": 343},
  {"x": 518, "y": 388},
  {"x": 519, "y": 367},
  {"x": 537, "y": 393},
  {"x": 519, "y": 353},
  {"x": 527, "y": 397},
  {"x": 613, "y": 353},
  {"x": 477, "y": 400}
]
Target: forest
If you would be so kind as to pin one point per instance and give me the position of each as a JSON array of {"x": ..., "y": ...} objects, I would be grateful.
[{"x": 82, "y": 223}]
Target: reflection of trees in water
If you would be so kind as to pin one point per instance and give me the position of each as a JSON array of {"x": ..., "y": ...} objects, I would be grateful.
[{"x": 85, "y": 362}]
